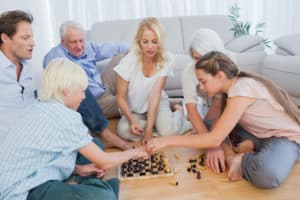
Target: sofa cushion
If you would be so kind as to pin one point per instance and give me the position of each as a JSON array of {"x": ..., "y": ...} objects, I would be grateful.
[
  {"x": 289, "y": 43},
  {"x": 219, "y": 23},
  {"x": 245, "y": 43},
  {"x": 173, "y": 84},
  {"x": 124, "y": 30},
  {"x": 114, "y": 31},
  {"x": 173, "y": 34},
  {"x": 282, "y": 52},
  {"x": 250, "y": 61}
]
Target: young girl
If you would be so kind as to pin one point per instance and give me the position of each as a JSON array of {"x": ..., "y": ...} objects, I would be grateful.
[
  {"x": 261, "y": 108},
  {"x": 202, "y": 110},
  {"x": 40, "y": 150},
  {"x": 142, "y": 75}
]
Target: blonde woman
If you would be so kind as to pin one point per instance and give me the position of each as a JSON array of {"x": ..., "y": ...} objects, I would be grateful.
[
  {"x": 40, "y": 149},
  {"x": 141, "y": 76},
  {"x": 263, "y": 109}
]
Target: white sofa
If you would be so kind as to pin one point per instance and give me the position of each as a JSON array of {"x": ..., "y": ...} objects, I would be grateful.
[
  {"x": 283, "y": 67},
  {"x": 248, "y": 49}
]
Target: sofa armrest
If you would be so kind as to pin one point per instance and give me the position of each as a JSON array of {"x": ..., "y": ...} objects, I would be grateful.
[
  {"x": 289, "y": 44},
  {"x": 245, "y": 43},
  {"x": 285, "y": 71}
]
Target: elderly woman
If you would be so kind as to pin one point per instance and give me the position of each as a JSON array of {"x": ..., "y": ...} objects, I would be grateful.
[
  {"x": 141, "y": 77},
  {"x": 40, "y": 150}
]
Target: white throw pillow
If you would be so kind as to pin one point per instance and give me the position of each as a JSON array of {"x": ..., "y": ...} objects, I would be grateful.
[
  {"x": 289, "y": 43},
  {"x": 243, "y": 43}
]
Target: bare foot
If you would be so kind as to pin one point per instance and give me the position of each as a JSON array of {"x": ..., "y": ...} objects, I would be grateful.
[
  {"x": 244, "y": 147},
  {"x": 235, "y": 172},
  {"x": 194, "y": 131},
  {"x": 110, "y": 139},
  {"x": 127, "y": 146},
  {"x": 229, "y": 153}
]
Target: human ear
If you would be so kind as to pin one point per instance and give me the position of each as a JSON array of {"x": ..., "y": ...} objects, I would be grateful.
[
  {"x": 221, "y": 75},
  {"x": 66, "y": 92},
  {"x": 4, "y": 37}
]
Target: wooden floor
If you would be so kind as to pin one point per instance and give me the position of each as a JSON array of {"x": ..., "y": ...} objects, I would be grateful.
[{"x": 210, "y": 187}]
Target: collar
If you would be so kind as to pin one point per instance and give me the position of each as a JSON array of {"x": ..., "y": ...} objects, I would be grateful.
[
  {"x": 5, "y": 62},
  {"x": 67, "y": 52}
]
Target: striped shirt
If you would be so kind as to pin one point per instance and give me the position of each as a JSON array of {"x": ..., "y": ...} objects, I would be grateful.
[{"x": 42, "y": 145}]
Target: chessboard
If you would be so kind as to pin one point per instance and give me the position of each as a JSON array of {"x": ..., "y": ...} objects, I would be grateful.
[{"x": 156, "y": 166}]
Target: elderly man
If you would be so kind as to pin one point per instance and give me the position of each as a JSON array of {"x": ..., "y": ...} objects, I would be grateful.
[
  {"x": 86, "y": 54},
  {"x": 74, "y": 47}
]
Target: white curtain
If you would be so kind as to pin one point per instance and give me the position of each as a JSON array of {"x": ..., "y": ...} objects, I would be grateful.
[{"x": 280, "y": 16}]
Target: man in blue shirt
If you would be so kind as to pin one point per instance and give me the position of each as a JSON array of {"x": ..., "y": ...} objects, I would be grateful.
[
  {"x": 86, "y": 54},
  {"x": 74, "y": 47},
  {"x": 16, "y": 86}
]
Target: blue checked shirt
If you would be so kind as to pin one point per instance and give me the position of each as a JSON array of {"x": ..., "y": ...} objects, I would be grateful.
[
  {"x": 92, "y": 53},
  {"x": 14, "y": 96},
  {"x": 42, "y": 145}
]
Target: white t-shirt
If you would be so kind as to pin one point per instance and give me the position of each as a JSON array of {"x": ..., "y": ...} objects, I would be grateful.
[
  {"x": 140, "y": 86},
  {"x": 190, "y": 93}
]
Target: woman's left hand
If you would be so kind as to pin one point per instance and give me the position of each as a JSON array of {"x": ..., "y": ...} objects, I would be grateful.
[{"x": 147, "y": 138}]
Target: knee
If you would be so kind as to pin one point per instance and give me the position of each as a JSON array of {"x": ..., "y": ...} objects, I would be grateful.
[
  {"x": 124, "y": 132},
  {"x": 165, "y": 129},
  {"x": 264, "y": 175}
]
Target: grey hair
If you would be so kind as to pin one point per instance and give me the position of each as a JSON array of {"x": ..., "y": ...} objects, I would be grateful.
[
  {"x": 67, "y": 24},
  {"x": 205, "y": 40}
]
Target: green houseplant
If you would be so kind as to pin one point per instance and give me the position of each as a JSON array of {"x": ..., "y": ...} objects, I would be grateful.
[{"x": 241, "y": 28}]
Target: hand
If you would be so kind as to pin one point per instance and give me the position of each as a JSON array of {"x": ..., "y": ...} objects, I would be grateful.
[
  {"x": 156, "y": 144},
  {"x": 147, "y": 138},
  {"x": 141, "y": 153},
  {"x": 89, "y": 169},
  {"x": 136, "y": 130},
  {"x": 215, "y": 159}
]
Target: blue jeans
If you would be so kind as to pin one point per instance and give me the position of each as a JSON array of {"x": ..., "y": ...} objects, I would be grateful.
[{"x": 92, "y": 114}]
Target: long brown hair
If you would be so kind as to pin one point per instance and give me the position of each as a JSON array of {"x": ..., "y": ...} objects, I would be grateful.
[
  {"x": 153, "y": 24},
  {"x": 215, "y": 61}
]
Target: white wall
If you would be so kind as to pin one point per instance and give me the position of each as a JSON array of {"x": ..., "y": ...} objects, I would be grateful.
[{"x": 41, "y": 29}]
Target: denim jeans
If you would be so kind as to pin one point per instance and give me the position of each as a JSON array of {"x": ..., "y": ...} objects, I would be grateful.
[{"x": 92, "y": 114}]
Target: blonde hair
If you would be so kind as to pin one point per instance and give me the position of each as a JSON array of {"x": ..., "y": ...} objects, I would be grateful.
[
  {"x": 154, "y": 25},
  {"x": 214, "y": 61},
  {"x": 61, "y": 74}
]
